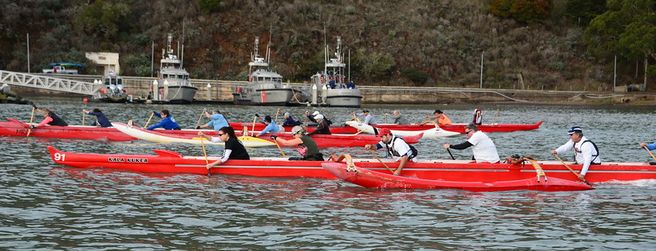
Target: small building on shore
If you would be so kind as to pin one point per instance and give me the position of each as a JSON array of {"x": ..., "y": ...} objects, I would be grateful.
[{"x": 108, "y": 61}]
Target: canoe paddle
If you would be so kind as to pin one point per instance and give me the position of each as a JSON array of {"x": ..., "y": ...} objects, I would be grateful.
[
  {"x": 650, "y": 153},
  {"x": 207, "y": 162},
  {"x": 199, "y": 118},
  {"x": 29, "y": 130},
  {"x": 148, "y": 121},
  {"x": 253, "y": 127},
  {"x": 450, "y": 154},
  {"x": 375, "y": 155},
  {"x": 571, "y": 170},
  {"x": 275, "y": 140}
]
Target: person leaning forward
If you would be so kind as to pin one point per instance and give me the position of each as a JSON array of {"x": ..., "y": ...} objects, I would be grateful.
[
  {"x": 396, "y": 147},
  {"x": 483, "y": 147},
  {"x": 305, "y": 145},
  {"x": 233, "y": 148},
  {"x": 584, "y": 154}
]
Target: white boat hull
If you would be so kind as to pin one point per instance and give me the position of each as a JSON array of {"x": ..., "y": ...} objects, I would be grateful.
[
  {"x": 433, "y": 134},
  {"x": 158, "y": 138}
]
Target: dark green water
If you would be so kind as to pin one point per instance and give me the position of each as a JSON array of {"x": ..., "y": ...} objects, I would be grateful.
[{"x": 46, "y": 206}]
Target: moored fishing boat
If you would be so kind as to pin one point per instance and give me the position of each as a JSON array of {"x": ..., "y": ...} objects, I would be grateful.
[
  {"x": 173, "y": 84},
  {"x": 459, "y": 128},
  {"x": 443, "y": 170},
  {"x": 264, "y": 86},
  {"x": 187, "y": 136}
]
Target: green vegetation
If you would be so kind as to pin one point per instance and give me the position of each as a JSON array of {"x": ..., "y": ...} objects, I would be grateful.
[{"x": 551, "y": 44}]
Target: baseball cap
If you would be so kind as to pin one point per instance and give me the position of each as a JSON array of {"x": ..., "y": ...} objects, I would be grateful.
[
  {"x": 574, "y": 129},
  {"x": 384, "y": 131},
  {"x": 315, "y": 113},
  {"x": 297, "y": 129},
  {"x": 318, "y": 117}
]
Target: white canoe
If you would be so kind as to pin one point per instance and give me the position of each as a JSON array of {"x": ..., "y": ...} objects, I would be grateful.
[
  {"x": 159, "y": 137},
  {"x": 433, "y": 134}
]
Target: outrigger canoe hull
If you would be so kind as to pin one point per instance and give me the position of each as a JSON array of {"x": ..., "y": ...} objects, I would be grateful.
[
  {"x": 379, "y": 180},
  {"x": 459, "y": 128},
  {"x": 449, "y": 170}
]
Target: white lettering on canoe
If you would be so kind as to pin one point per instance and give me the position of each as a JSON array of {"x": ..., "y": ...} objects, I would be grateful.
[
  {"x": 137, "y": 160},
  {"x": 115, "y": 159}
]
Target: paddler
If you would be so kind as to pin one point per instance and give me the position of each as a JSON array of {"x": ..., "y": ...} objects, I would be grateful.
[
  {"x": 49, "y": 118},
  {"x": 271, "y": 126},
  {"x": 290, "y": 121},
  {"x": 478, "y": 117},
  {"x": 167, "y": 122},
  {"x": 305, "y": 145},
  {"x": 440, "y": 119},
  {"x": 398, "y": 119},
  {"x": 585, "y": 154},
  {"x": 101, "y": 119},
  {"x": 368, "y": 118},
  {"x": 217, "y": 121},
  {"x": 483, "y": 147},
  {"x": 396, "y": 147},
  {"x": 323, "y": 127},
  {"x": 234, "y": 149}
]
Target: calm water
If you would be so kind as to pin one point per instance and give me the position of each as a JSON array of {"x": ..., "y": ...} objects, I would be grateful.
[{"x": 46, "y": 206}]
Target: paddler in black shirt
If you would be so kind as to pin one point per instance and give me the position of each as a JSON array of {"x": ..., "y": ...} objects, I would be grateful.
[
  {"x": 233, "y": 148},
  {"x": 50, "y": 118}
]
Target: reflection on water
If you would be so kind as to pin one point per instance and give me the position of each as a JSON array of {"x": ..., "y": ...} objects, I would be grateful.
[{"x": 43, "y": 205}]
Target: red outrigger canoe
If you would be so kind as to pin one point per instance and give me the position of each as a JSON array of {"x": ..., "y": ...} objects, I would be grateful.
[
  {"x": 379, "y": 180},
  {"x": 487, "y": 175},
  {"x": 343, "y": 129},
  {"x": 16, "y": 128}
]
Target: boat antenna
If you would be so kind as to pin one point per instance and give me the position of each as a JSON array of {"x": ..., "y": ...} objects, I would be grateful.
[
  {"x": 183, "y": 40},
  {"x": 349, "y": 65},
  {"x": 268, "y": 51}
]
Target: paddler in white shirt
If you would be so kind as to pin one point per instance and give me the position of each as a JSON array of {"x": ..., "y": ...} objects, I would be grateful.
[{"x": 483, "y": 147}]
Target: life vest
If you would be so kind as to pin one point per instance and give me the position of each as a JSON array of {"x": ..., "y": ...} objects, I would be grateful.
[
  {"x": 578, "y": 151},
  {"x": 392, "y": 152}
]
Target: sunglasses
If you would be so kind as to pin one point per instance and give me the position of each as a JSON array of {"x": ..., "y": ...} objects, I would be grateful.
[{"x": 220, "y": 134}]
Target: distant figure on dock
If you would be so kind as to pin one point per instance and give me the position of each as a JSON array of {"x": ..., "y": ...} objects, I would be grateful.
[
  {"x": 101, "y": 119},
  {"x": 398, "y": 119},
  {"x": 49, "y": 118},
  {"x": 217, "y": 121},
  {"x": 478, "y": 117},
  {"x": 440, "y": 119},
  {"x": 167, "y": 122},
  {"x": 350, "y": 85},
  {"x": 290, "y": 121}
]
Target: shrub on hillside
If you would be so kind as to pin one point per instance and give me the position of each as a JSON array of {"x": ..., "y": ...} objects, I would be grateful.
[{"x": 414, "y": 75}]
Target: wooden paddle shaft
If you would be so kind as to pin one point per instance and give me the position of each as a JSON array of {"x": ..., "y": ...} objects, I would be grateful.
[
  {"x": 253, "y": 127},
  {"x": 373, "y": 152},
  {"x": 200, "y": 117},
  {"x": 148, "y": 121},
  {"x": 570, "y": 169},
  {"x": 650, "y": 153},
  {"x": 29, "y": 130}
]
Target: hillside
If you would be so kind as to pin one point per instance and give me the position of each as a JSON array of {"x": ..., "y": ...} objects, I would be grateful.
[{"x": 413, "y": 42}]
